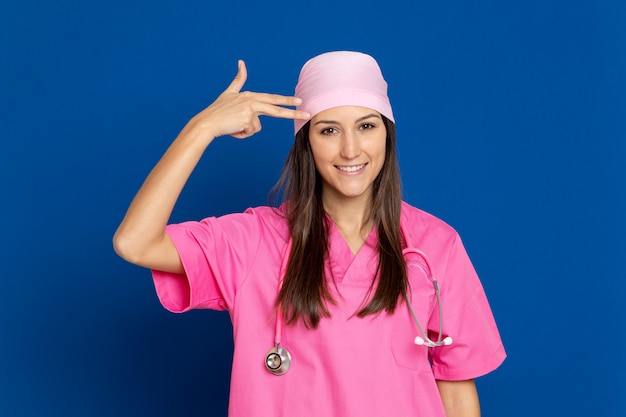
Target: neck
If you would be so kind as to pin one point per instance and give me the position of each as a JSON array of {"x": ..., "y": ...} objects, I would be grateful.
[{"x": 352, "y": 216}]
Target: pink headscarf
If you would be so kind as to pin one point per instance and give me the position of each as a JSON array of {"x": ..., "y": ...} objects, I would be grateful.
[{"x": 341, "y": 78}]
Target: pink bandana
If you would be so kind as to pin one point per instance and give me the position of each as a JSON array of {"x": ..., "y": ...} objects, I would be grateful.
[{"x": 341, "y": 78}]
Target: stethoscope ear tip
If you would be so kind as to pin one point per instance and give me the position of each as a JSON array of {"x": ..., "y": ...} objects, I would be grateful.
[{"x": 421, "y": 342}]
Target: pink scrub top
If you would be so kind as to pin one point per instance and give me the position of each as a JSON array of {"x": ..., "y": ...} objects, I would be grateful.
[{"x": 348, "y": 366}]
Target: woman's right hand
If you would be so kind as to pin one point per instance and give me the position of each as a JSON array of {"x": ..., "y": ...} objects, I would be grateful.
[
  {"x": 237, "y": 113},
  {"x": 141, "y": 237}
]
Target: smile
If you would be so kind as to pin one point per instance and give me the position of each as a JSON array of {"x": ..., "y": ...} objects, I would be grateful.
[{"x": 353, "y": 168}]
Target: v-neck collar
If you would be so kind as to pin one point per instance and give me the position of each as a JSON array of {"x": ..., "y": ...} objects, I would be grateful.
[{"x": 345, "y": 265}]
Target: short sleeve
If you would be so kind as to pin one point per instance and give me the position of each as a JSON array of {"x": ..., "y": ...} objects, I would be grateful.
[
  {"x": 217, "y": 254},
  {"x": 477, "y": 348}
]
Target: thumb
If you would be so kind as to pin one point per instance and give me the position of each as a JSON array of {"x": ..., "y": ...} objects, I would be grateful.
[{"x": 240, "y": 79}]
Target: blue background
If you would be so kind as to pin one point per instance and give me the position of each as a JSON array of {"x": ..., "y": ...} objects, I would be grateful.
[{"x": 511, "y": 126}]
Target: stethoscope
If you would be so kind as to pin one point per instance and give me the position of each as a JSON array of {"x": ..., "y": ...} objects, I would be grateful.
[{"x": 278, "y": 359}]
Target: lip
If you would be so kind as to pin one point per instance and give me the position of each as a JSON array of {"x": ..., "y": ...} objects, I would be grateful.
[{"x": 351, "y": 169}]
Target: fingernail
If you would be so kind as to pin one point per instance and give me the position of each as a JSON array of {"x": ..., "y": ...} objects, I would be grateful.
[
  {"x": 305, "y": 114},
  {"x": 297, "y": 100}
]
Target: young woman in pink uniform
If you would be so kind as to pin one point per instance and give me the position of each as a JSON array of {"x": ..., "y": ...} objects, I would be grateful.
[{"x": 344, "y": 299}]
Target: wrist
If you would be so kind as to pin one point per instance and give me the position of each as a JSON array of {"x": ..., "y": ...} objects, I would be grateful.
[{"x": 199, "y": 132}]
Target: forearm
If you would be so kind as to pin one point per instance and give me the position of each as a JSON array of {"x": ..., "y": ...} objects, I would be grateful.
[{"x": 460, "y": 398}]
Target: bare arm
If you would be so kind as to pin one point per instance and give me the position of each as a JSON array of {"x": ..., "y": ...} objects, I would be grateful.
[
  {"x": 141, "y": 237},
  {"x": 460, "y": 398}
]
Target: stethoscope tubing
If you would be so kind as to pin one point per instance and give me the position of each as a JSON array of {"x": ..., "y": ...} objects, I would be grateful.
[
  {"x": 283, "y": 272},
  {"x": 425, "y": 340}
]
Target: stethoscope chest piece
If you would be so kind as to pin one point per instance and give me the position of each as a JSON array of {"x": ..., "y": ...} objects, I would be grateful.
[{"x": 278, "y": 360}]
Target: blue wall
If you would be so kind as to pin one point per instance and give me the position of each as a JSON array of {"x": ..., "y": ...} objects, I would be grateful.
[{"x": 511, "y": 123}]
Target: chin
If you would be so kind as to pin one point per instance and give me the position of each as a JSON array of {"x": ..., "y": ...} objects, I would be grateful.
[{"x": 352, "y": 193}]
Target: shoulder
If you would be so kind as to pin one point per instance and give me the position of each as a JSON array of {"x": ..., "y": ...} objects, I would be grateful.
[
  {"x": 268, "y": 220},
  {"x": 270, "y": 216},
  {"x": 425, "y": 230},
  {"x": 413, "y": 217}
]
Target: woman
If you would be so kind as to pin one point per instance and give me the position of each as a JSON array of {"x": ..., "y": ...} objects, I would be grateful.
[{"x": 327, "y": 292}]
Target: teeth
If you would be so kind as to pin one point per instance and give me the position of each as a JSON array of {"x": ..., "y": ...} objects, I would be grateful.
[{"x": 351, "y": 169}]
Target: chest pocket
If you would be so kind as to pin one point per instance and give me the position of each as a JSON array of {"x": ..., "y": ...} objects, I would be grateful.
[{"x": 421, "y": 294}]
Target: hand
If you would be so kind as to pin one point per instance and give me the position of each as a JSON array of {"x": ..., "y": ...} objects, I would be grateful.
[{"x": 237, "y": 113}]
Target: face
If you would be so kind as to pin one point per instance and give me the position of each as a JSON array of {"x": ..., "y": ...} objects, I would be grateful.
[{"x": 348, "y": 145}]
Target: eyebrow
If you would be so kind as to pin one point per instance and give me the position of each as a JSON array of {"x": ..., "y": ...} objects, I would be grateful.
[{"x": 356, "y": 121}]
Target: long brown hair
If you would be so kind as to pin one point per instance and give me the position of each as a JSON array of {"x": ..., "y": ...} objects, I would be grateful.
[{"x": 304, "y": 293}]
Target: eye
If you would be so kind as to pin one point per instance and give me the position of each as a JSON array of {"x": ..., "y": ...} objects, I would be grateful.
[
  {"x": 367, "y": 126},
  {"x": 328, "y": 131}
]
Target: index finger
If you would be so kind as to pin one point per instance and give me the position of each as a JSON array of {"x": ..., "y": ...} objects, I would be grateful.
[
  {"x": 267, "y": 109},
  {"x": 240, "y": 79}
]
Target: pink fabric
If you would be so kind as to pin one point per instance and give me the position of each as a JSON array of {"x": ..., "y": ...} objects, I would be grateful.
[
  {"x": 348, "y": 366},
  {"x": 341, "y": 78}
]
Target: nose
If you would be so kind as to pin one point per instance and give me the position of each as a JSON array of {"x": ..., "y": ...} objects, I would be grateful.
[{"x": 350, "y": 145}]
